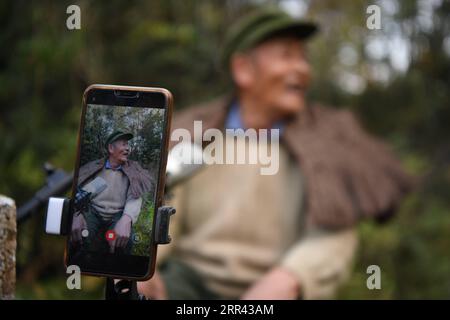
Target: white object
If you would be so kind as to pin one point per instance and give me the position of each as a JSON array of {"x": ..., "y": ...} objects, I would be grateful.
[
  {"x": 54, "y": 215},
  {"x": 95, "y": 187},
  {"x": 183, "y": 161}
]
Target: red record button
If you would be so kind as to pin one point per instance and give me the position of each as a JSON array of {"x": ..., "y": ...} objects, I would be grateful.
[{"x": 110, "y": 235}]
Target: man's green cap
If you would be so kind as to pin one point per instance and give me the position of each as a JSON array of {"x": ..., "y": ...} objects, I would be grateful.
[
  {"x": 117, "y": 135},
  {"x": 262, "y": 25}
]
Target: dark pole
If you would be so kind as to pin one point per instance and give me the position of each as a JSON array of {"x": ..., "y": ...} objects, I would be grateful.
[{"x": 58, "y": 183}]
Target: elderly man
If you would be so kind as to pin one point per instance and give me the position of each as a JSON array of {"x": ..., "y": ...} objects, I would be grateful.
[
  {"x": 106, "y": 224},
  {"x": 240, "y": 234}
]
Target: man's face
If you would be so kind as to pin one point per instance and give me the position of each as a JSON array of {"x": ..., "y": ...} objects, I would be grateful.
[
  {"x": 119, "y": 151},
  {"x": 278, "y": 75}
]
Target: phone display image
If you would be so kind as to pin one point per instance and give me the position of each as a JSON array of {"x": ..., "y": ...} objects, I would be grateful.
[{"x": 120, "y": 151}]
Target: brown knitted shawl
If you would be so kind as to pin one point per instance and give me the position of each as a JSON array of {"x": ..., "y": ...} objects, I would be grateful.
[
  {"x": 349, "y": 174},
  {"x": 140, "y": 179}
]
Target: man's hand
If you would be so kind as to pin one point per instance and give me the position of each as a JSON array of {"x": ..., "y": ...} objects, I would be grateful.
[
  {"x": 122, "y": 231},
  {"x": 277, "y": 284},
  {"x": 153, "y": 288},
  {"x": 78, "y": 225}
]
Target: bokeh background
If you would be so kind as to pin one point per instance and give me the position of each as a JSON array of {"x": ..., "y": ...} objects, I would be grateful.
[{"x": 396, "y": 80}]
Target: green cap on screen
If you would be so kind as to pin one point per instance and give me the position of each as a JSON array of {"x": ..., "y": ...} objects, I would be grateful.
[
  {"x": 117, "y": 135},
  {"x": 262, "y": 25}
]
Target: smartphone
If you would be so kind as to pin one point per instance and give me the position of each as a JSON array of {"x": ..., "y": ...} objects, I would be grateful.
[{"x": 119, "y": 180}]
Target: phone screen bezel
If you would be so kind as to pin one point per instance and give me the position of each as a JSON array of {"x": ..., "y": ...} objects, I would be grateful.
[{"x": 112, "y": 265}]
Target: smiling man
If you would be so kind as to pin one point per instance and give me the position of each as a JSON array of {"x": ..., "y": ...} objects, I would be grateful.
[
  {"x": 240, "y": 234},
  {"x": 106, "y": 224}
]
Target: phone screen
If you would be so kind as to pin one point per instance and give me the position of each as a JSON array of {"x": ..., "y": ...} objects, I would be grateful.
[{"x": 116, "y": 191}]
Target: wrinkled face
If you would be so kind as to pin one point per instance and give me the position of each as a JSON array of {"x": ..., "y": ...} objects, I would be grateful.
[
  {"x": 119, "y": 151},
  {"x": 276, "y": 73}
]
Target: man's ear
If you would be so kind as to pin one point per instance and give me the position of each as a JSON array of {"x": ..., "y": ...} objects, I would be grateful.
[
  {"x": 110, "y": 149},
  {"x": 242, "y": 70}
]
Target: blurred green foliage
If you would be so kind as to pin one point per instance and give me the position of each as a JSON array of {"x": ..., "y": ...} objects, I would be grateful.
[
  {"x": 396, "y": 80},
  {"x": 146, "y": 125},
  {"x": 143, "y": 227}
]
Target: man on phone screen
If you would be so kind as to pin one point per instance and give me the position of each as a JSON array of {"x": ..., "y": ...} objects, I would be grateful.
[{"x": 116, "y": 186}]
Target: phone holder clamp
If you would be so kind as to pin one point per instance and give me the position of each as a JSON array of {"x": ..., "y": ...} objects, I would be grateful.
[{"x": 57, "y": 222}]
